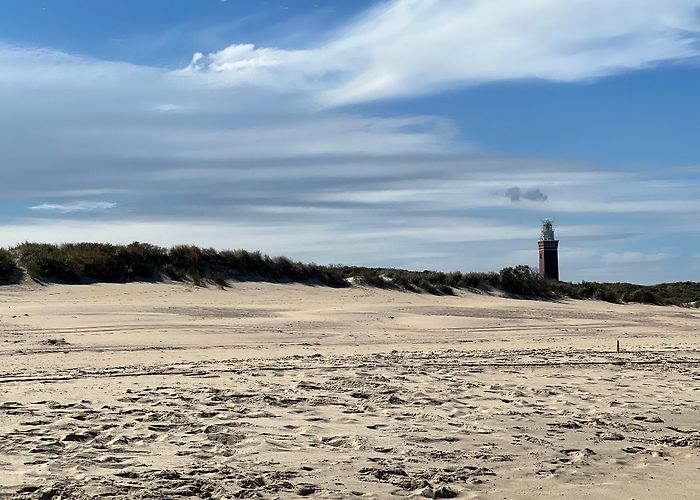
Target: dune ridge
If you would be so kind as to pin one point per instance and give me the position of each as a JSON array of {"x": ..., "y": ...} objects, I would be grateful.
[{"x": 81, "y": 263}]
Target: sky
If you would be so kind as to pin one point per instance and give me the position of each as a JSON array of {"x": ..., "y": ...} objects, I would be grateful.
[{"x": 421, "y": 134}]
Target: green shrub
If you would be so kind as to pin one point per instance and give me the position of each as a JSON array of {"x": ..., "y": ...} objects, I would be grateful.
[
  {"x": 607, "y": 295},
  {"x": 49, "y": 261},
  {"x": 83, "y": 262},
  {"x": 173, "y": 272},
  {"x": 522, "y": 280},
  {"x": 641, "y": 295},
  {"x": 8, "y": 267},
  {"x": 427, "y": 286},
  {"x": 196, "y": 277},
  {"x": 186, "y": 257},
  {"x": 142, "y": 260},
  {"x": 219, "y": 279},
  {"x": 78, "y": 262},
  {"x": 34, "y": 270},
  {"x": 480, "y": 280}
]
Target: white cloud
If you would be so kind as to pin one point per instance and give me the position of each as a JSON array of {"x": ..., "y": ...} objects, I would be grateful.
[
  {"x": 119, "y": 109},
  {"x": 633, "y": 257},
  {"x": 171, "y": 108},
  {"x": 78, "y": 206},
  {"x": 408, "y": 47}
]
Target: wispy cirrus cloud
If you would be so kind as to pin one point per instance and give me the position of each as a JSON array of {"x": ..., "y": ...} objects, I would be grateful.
[
  {"x": 633, "y": 257},
  {"x": 78, "y": 206},
  {"x": 409, "y": 47}
]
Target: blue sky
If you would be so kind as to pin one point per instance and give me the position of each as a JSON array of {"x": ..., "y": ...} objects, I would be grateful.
[{"x": 388, "y": 133}]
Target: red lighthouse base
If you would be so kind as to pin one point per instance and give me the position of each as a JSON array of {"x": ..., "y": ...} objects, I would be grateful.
[{"x": 549, "y": 259}]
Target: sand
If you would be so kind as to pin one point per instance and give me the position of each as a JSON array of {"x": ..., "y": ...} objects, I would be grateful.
[{"x": 280, "y": 391}]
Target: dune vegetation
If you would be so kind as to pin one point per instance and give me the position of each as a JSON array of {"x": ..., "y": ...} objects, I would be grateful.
[{"x": 80, "y": 263}]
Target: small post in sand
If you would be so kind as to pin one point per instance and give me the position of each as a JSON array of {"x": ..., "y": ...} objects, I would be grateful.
[{"x": 618, "y": 345}]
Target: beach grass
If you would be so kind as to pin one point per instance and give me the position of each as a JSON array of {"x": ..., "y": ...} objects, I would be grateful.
[{"x": 79, "y": 263}]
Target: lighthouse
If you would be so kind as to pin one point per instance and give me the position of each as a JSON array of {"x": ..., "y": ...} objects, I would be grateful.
[{"x": 549, "y": 252}]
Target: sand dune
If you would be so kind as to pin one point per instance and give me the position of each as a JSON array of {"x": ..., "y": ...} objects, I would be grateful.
[{"x": 265, "y": 390}]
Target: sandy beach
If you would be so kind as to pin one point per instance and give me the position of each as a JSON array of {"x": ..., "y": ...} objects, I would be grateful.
[{"x": 279, "y": 391}]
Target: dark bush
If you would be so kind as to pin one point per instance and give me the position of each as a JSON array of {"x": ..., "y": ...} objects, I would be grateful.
[
  {"x": 522, "y": 280},
  {"x": 186, "y": 257},
  {"x": 480, "y": 280},
  {"x": 8, "y": 267},
  {"x": 79, "y": 262},
  {"x": 427, "y": 286},
  {"x": 607, "y": 295},
  {"x": 142, "y": 260},
  {"x": 84, "y": 262},
  {"x": 196, "y": 277},
  {"x": 173, "y": 273},
  {"x": 641, "y": 295},
  {"x": 219, "y": 279},
  {"x": 48, "y": 261}
]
